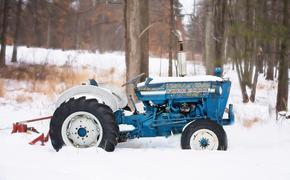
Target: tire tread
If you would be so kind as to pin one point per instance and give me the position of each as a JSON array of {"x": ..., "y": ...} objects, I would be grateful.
[{"x": 103, "y": 112}]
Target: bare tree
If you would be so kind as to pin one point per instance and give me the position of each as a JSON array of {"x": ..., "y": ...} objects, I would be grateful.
[
  {"x": 270, "y": 16},
  {"x": 144, "y": 37},
  {"x": 237, "y": 48},
  {"x": 4, "y": 32},
  {"x": 36, "y": 22},
  {"x": 171, "y": 37},
  {"x": 219, "y": 12},
  {"x": 209, "y": 46},
  {"x": 282, "y": 95},
  {"x": 134, "y": 44},
  {"x": 16, "y": 33}
]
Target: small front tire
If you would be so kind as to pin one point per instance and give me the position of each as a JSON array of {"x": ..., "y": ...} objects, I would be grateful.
[{"x": 204, "y": 135}]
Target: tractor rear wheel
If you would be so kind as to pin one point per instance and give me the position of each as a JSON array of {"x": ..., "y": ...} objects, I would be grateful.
[
  {"x": 204, "y": 135},
  {"x": 84, "y": 123}
]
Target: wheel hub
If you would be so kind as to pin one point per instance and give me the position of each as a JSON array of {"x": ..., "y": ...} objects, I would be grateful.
[
  {"x": 204, "y": 142},
  {"x": 204, "y": 139},
  {"x": 82, "y": 129},
  {"x": 82, "y": 132}
]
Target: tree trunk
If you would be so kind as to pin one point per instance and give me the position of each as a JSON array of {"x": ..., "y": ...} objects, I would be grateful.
[
  {"x": 270, "y": 64},
  {"x": 36, "y": 24},
  {"x": 3, "y": 35},
  {"x": 255, "y": 81},
  {"x": 1, "y": 14},
  {"x": 77, "y": 31},
  {"x": 245, "y": 96},
  {"x": 277, "y": 57},
  {"x": 134, "y": 44},
  {"x": 171, "y": 38},
  {"x": 249, "y": 46},
  {"x": 48, "y": 35},
  {"x": 271, "y": 56},
  {"x": 209, "y": 55},
  {"x": 238, "y": 63},
  {"x": 282, "y": 95},
  {"x": 219, "y": 11},
  {"x": 144, "y": 23},
  {"x": 16, "y": 35}
]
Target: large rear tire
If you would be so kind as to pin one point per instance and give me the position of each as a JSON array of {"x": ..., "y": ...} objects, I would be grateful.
[
  {"x": 204, "y": 135},
  {"x": 84, "y": 123}
]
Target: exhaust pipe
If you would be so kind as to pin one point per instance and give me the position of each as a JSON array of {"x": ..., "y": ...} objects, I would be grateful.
[{"x": 181, "y": 56}]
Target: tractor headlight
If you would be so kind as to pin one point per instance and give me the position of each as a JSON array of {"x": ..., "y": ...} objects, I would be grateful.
[{"x": 220, "y": 90}]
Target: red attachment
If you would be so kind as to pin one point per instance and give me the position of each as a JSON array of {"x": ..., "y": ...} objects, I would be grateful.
[
  {"x": 36, "y": 119},
  {"x": 22, "y": 128},
  {"x": 18, "y": 127},
  {"x": 43, "y": 139},
  {"x": 32, "y": 129}
]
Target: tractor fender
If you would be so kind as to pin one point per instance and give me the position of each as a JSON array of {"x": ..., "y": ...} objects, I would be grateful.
[
  {"x": 103, "y": 95},
  {"x": 187, "y": 125}
]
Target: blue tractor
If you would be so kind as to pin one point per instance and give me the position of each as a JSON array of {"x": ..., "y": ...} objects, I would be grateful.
[{"x": 89, "y": 115}]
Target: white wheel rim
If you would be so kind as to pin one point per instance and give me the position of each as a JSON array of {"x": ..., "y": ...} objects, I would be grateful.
[
  {"x": 204, "y": 139},
  {"x": 82, "y": 129}
]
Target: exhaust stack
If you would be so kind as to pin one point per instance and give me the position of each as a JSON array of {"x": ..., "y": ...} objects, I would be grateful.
[{"x": 181, "y": 56}]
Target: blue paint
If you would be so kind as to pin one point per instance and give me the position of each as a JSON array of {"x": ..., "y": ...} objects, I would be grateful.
[
  {"x": 82, "y": 132},
  {"x": 218, "y": 71},
  {"x": 183, "y": 102},
  {"x": 203, "y": 142}
]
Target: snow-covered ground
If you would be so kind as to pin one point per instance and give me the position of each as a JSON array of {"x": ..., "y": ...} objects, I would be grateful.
[{"x": 258, "y": 146}]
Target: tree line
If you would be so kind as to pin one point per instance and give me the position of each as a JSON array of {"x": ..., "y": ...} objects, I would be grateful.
[
  {"x": 252, "y": 35},
  {"x": 103, "y": 25},
  {"x": 78, "y": 24}
]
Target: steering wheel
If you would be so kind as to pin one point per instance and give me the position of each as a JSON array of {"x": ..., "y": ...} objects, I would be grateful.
[{"x": 134, "y": 80}]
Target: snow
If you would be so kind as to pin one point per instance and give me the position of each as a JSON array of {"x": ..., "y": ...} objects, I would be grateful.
[
  {"x": 198, "y": 78},
  {"x": 258, "y": 152},
  {"x": 88, "y": 59},
  {"x": 148, "y": 93}
]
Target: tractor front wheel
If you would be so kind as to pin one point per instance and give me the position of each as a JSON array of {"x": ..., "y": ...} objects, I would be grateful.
[
  {"x": 84, "y": 123},
  {"x": 204, "y": 135}
]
